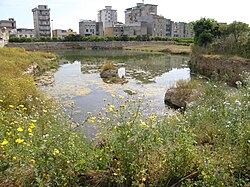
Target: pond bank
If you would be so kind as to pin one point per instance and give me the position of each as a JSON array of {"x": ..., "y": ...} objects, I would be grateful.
[
  {"x": 45, "y": 46},
  {"x": 228, "y": 69}
]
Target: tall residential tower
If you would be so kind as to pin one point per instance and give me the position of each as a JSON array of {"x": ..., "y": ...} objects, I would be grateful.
[
  {"x": 41, "y": 18},
  {"x": 107, "y": 16}
]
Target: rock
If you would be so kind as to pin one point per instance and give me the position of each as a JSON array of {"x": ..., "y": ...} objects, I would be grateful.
[
  {"x": 33, "y": 69},
  {"x": 176, "y": 99},
  {"x": 109, "y": 73}
]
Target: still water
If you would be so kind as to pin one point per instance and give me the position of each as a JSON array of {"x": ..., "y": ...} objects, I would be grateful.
[{"x": 78, "y": 79}]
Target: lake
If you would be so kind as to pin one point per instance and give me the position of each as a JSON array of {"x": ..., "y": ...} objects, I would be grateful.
[{"x": 78, "y": 82}]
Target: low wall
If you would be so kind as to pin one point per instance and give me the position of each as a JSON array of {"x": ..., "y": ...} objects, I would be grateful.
[
  {"x": 44, "y": 46},
  {"x": 228, "y": 69}
]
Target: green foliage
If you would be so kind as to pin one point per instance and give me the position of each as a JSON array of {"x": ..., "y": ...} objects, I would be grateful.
[
  {"x": 75, "y": 38},
  {"x": 205, "y": 31},
  {"x": 18, "y": 87},
  {"x": 232, "y": 39}
]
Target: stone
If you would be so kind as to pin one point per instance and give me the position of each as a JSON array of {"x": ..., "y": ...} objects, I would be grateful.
[
  {"x": 175, "y": 99},
  {"x": 109, "y": 73}
]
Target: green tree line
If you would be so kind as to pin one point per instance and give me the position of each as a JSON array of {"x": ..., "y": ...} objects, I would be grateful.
[
  {"x": 222, "y": 38},
  {"x": 71, "y": 38}
]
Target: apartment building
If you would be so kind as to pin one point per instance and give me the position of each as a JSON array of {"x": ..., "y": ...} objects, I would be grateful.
[
  {"x": 134, "y": 14},
  {"x": 107, "y": 16},
  {"x": 8, "y": 24},
  {"x": 87, "y": 28},
  {"x": 181, "y": 30},
  {"x": 156, "y": 25},
  {"x": 25, "y": 33},
  {"x": 139, "y": 28},
  {"x": 41, "y": 19}
]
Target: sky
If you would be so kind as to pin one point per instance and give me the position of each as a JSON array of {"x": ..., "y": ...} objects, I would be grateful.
[{"x": 67, "y": 13}]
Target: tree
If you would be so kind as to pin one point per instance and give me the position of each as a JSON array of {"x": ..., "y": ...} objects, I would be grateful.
[
  {"x": 238, "y": 30},
  {"x": 205, "y": 31}
]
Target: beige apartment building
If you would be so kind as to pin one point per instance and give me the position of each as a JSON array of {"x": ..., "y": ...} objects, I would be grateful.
[{"x": 41, "y": 19}]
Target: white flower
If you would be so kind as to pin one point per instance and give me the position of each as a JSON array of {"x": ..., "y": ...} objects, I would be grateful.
[{"x": 237, "y": 102}]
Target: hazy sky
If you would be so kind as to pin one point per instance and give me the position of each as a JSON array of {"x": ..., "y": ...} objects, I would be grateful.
[{"x": 67, "y": 13}]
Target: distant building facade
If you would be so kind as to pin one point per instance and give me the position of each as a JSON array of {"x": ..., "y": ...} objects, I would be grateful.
[
  {"x": 169, "y": 25},
  {"x": 134, "y": 14},
  {"x": 156, "y": 25},
  {"x": 107, "y": 16},
  {"x": 99, "y": 29},
  {"x": 25, "y": 33},
  {"x": 87, "y": 28},
  {"x": 135, "y": 29},
  {"x": 41, "y": 19},
  {"x": 8, "y": 24},
  {"x": 181, "y": 30},
  {"x": 60, "y": 33}
]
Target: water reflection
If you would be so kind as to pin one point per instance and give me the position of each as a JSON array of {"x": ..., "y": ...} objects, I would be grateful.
[{"x": 78, "y": 80}]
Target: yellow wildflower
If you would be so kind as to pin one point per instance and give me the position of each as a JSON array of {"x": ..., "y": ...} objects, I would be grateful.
[
  {"x": 45, "y": 111},
  {"x": 14, "y": 158},
  {"x": 99, "y": 134},
  {"x": 1, "y": 100},
  {"x": 32, "y": 161},
  {"x": 115, "y": 174},
  {"x": 20, "y": 129},
  {"x": 29, "y": 130},
  {"x": 56, "y": 152},
  {"x": 11, "y": 106},
  {"x": 32, "y": 125},
  {"x": 92, "y": 120},
  {"x": 121, "y": 97},
  {"x": 30, "y": 134},
  {"x": 110, "y": 109},
  {"x": 34, "y": 121},
  {"x": 19, "y": 140},
  {"x": 143, "y": 123},
  {"x": 5, "y": 142},
  {"x": 21, "y": 106},
  {"x": 9, "y": 133}
]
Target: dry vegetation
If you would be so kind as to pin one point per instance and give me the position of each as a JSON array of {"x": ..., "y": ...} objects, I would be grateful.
[{"x": 172, "y": 49}]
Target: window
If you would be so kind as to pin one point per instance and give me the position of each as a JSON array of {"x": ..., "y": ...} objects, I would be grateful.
[{"x": 87, "y": 30}]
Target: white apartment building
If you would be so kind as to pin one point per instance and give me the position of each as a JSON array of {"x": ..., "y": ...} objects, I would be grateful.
[
  {"x": 107, "y": 16},
  {"x": 41, "y": 18}
]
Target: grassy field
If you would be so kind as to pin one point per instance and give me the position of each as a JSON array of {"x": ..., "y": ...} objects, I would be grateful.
[
  {"x": 172, "y": 49},
  {"x": 207, "y": 145}
]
